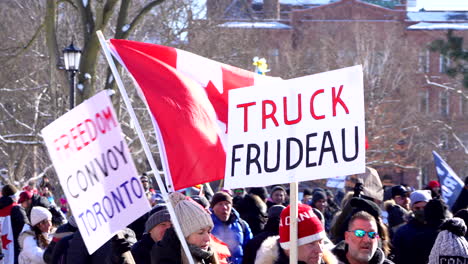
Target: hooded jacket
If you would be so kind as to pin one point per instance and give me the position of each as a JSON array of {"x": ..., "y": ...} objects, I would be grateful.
[
  {"x": 270, "y": 252},
  {"x": 253, "y": 210},
  {"x": 235, "y": 232},
  {"x": 31, "y": 251}
]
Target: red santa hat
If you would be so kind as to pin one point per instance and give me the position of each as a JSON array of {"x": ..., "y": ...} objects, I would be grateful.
[{"x": 309, "y": 227}]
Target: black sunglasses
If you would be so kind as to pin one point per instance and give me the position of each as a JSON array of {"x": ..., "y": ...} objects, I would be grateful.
[{"x": 361, "y": 233}]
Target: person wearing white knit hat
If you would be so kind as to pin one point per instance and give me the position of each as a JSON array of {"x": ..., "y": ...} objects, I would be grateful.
[
  {"x": 196, "y": 225},
  {"x": 35, "y": 238}
]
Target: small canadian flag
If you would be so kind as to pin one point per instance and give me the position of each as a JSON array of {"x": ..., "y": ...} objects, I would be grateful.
[{"x": 6, "y": 234}]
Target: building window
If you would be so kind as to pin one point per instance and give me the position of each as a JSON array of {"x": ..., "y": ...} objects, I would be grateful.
[
  {"x": 444, "y": 63},
  {"x": 424, "y": 102},
  {"x": 443, "y": 141},
  {"x": 444, "y": 103},
  {"x": 423, "y": 61},
  {"x": 273, "y": 55},
  {"x": 463, "y": 105}
]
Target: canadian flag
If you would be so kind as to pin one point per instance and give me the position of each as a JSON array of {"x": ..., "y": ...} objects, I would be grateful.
[
  {"x": 6, "y": 234},
  {"x": 188, "y": 97}
]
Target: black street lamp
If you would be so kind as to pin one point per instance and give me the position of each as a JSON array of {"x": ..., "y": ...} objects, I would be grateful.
[{"x": 71, "y": 57}]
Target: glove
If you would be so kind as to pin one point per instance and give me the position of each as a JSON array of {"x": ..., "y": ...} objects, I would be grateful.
[
  {"x": 358, "y": 188},
  {"x": 119, "y": 246}
]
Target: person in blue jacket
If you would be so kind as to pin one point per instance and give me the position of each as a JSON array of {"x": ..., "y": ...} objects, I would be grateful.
[{"x": 229, "y": 227}]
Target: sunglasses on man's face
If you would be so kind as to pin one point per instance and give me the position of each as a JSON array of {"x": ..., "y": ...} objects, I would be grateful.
[{"x": 361, "y": 233}]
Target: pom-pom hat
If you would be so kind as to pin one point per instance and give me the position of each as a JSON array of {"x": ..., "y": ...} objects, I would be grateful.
[
  {"x": 191, "y": 215},
  {"x": 450, "y": 245},
  {"x": 309, "y": 227}
]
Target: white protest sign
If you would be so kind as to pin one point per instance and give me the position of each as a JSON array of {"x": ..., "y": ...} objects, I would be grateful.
[
  {"x": 96, "y": 170},
  {"x": 296, "y": 130}
]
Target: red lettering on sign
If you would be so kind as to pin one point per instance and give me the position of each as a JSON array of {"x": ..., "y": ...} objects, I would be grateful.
[
  {"x": 312, "y": 108},
  {"x": 299, "y": 111},
  {"x": 336, "y": 99},
  {"x": 246, "y": 114},
  {"x": 271, "y": 115}
]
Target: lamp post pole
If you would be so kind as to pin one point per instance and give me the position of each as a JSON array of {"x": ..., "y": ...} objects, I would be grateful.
[
  {"x": 72, "y": 89},
  {"x": 71, "y": 57}
]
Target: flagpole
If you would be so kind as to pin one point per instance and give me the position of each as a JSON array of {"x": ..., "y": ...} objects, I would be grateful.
[
  {"x": 293, "y": 190},
  {"x": 144, "y": 144}
]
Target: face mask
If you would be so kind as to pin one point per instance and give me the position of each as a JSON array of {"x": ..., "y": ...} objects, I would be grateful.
[{"x": 419, "y": 216}]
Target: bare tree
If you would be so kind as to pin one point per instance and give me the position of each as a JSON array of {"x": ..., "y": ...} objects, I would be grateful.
[{"x": 33, "y": 86}]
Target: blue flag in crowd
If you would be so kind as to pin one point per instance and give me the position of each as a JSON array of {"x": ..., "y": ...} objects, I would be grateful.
[{"x": 450, "y": 184}]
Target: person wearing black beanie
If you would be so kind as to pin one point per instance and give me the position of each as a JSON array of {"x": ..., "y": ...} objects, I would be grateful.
[{"x": 435, "y": 213}]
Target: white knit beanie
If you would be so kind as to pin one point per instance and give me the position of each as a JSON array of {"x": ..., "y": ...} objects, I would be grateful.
[
  {"x": 450, "y": 245},
  {"x": 38, "y": 214},
  {"x": 191, "y": 215}
]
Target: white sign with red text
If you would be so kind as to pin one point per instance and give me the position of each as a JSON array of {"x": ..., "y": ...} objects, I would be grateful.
[
  {"x": 96, "y": 170},
  {"x": 296, "y": 130}
]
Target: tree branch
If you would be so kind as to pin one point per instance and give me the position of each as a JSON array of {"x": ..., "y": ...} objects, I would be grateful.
[
  {"x": 448, "y": 88},
  {"x": 28, "y": 45},
  {"x": 13, "y": 117},
  {"x": 139, "y": 16},
  {"x": 21, "y": 142}
]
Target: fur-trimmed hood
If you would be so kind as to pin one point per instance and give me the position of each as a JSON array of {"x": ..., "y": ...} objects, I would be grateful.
[
  {"x": 270, "y": 252},
  {"x": 389, "y": 203}
]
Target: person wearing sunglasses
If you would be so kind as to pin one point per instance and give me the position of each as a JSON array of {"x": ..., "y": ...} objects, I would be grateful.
[{"x": 361, "y": 242}]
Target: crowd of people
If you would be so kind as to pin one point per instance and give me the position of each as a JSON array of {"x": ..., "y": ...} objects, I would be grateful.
[{"x": 247, "y": 226}]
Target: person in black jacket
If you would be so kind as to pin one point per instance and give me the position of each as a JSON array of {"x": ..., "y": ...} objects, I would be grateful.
[
  {"x": 435, "y": 213},
  {"x": 253, "y": 209},
  {"x": 17, "y": 215},
  {"x": 110, "y": 252},
  {"x": 155, "y": 227},
  {"x": 361, "y": 244},
  {"x": 54, "y": 253},
  {"x": 271, "y": 229},
  {"x": 29, "y": 200}
]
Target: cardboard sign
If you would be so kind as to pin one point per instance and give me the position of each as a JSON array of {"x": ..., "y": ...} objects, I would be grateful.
[
  {"x": 96, "y": 170},
  {"x": 296, "y": 130}
]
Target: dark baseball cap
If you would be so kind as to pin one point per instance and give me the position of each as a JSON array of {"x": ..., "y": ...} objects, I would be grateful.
[{"x": 400, "y": 190}]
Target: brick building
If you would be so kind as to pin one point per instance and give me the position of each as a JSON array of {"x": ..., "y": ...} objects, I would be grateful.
[{"x": 409, "y": 112}]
